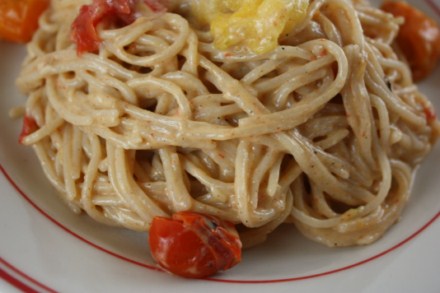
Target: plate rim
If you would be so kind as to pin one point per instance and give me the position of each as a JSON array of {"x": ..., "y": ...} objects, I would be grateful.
[
  {"x": 14, "y": 281},
  {"x": 26, "y": 198}
]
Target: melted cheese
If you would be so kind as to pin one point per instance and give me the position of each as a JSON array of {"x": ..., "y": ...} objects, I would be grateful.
[{"x": 249, "y": 24}]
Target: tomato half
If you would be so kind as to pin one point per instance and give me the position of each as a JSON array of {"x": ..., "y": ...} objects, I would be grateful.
[
  {"x": 418, "y": 38},
  {"x": 121, "y": 12},
  {"x": 19, "y": 18},
  {"x": 193, "y": 245}
]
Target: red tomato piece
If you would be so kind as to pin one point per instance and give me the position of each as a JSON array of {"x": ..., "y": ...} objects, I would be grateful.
[
  {"x": 19, "y": 18},
  {"x": 121, "y": 12},
  {"x": 29, "y": 126},
  {"x": 84, "y": 32},
  {"x": 429, "y": 114},
  {"x": 193, "y": 245},
  {"x": 418, "y": 38}
]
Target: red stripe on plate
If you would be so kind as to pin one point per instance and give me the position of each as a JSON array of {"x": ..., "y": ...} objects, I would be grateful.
[
  {"x": 393, "y": 248},
  {"x": 50, "y": 218},
  {"x": 16, "y": 283},
  {"x": 19, "y": 284},
  {"x": 152, "y": 267}
]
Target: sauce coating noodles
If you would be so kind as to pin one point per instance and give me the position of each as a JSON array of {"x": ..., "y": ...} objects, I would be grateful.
[{"x": 324, "y": 132}]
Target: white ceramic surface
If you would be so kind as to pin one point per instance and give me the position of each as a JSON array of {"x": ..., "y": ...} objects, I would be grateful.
[{"x": 46, "y": 247}]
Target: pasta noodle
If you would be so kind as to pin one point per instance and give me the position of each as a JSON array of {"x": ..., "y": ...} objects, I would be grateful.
[{"x": 324, "y": 132}]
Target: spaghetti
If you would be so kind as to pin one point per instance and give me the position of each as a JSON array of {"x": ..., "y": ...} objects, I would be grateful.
[{"x": 324, "y": 132}]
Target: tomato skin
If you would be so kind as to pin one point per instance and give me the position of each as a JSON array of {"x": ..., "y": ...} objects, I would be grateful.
[
  {"x": 192, "y": 245},
  {"x": 84, "y": 32},
  {"x": 29, "y": 126},
  {"x": 418, "y": 38},
  {"x": 19, "y": 18}
]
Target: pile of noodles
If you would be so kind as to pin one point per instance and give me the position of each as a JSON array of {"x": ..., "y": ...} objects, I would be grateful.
[{"x": 324, "y": 132}]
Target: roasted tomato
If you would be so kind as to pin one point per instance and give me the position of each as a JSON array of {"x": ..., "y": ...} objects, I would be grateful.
[
  {"x": 418, "y": 38},
  {"x": 193, "y": 245},
  {"x": 19, "y": 18},
  {"x": 121, "y": 12},
  {"x": 29, "y": 126}
]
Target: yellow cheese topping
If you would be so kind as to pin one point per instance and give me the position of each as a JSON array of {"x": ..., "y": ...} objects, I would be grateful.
[{"x": 252, "y": 24}]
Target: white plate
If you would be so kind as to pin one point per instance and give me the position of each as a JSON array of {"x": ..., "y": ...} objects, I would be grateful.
[{"x": 45, "y": 247}]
